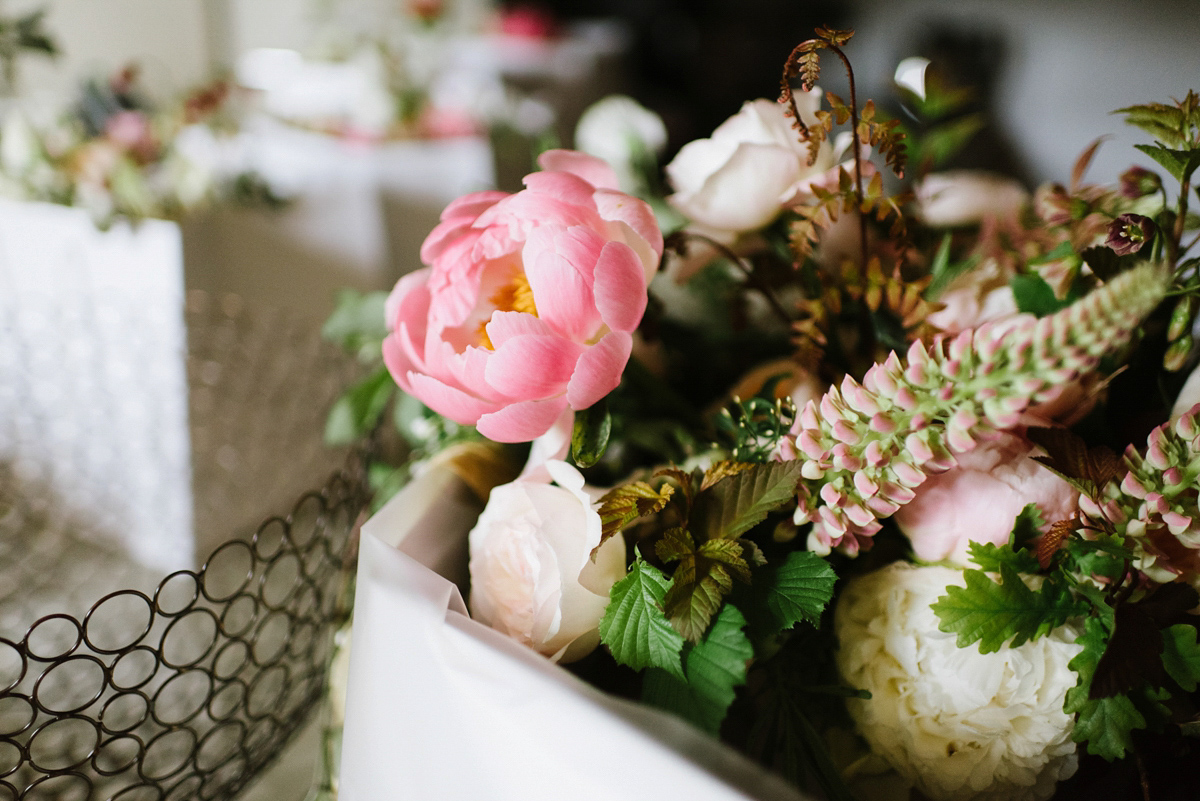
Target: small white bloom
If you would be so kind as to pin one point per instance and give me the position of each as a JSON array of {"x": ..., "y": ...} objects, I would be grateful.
[
  {"x": 532, "y": 577},
  {"x": 19, "y": 149},
  {"x": 749, "y": 170},
  {"x": 620, "y": 130},
  {"x": 956, "y": 723},
  {"x": 910, "y": 75}
]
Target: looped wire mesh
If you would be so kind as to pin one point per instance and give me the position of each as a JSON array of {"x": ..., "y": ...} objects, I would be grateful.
[{"x": 118, "y": 684}]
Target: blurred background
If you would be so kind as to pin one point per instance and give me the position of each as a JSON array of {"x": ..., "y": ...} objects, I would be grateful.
[{"x": 359, "y": 119}]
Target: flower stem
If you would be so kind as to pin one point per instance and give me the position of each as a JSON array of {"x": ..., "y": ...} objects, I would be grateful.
[
  {"x": 858, "y": 183},
  {"x": 751, "y": 277}
]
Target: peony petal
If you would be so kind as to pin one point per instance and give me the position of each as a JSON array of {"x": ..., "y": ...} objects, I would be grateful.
[
  {"x": 398, "y": 360},
  {"x": 505, "y": 325},
  {"x": 472, "y": 205},
  {"x": 441, "y": 237},
  {"x": 530, "y": 367},
  {"x": 559, "y": 265},
  {"x": 647, "y": 238},
  {"x": 454, "y": 282},
  {"x": 596, "y": 172},
  {"x": 446, "y": 400},
  {"x": 620, "y": 287},
  {"x": 521, "y": 422},
  {"x": 408, "y": 301},
  {"x": 598, "y": 371}
]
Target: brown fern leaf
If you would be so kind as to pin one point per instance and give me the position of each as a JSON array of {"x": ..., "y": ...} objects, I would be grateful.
[
  {"x": 1052, "y": 540},
  {"x": 833, "y": 36}
]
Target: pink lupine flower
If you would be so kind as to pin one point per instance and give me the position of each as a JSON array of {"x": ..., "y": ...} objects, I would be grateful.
[{"x": 529, "y": 302}]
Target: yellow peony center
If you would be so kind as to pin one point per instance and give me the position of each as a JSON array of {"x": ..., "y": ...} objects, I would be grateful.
[{"x": 516, "y": 295}]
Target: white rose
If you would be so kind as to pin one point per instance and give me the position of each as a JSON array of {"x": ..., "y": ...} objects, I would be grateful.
[
  {"x": 956, "y": 723},
  {"x": 531, "y": 573},
  {"x": 753, "y": 166},
  {"x": 964, "y": 197},
  {"x": 621, "y": 131}
]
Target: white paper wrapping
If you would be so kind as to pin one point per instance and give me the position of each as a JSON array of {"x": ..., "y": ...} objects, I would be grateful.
[
  {"x": 442, "y": 707},
  {"x": 93, "y": 385}
]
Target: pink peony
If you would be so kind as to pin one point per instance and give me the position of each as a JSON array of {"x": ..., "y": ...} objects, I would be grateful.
[
  {"x": 530, "y": 300},
  {"x": 978, "y": 499}
]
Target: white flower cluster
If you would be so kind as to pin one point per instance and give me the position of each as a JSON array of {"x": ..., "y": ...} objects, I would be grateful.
[{"x": 956, "y": 723}]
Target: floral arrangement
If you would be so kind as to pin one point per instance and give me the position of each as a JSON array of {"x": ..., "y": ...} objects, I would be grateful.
[
  {"x": 120, "y": 156},
  {"x": 876, "y": 477}
]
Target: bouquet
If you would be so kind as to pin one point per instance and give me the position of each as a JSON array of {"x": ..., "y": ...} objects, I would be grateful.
[
  {"x": 885, "y": 476},
  {"x": 120, "y": 156}
]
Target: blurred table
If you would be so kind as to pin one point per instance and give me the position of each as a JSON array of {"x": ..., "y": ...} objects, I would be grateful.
[{"x": 357, "y": 215}]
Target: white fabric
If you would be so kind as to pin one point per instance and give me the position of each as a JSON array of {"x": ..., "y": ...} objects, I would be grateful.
[{"x": 440, "y": 706}]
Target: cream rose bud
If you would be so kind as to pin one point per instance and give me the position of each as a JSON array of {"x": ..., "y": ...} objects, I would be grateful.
[
  {"x": 621, "y": 131},
  {"x": 979, "y": 498},
  {"x": 532, "y": 577},
  {"x": 964, "y": 197},
  {"x": 956, "y": 723},
  {"x": 752, "y": 166}
]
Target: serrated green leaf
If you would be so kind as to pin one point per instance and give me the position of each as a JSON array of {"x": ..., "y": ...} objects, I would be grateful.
[
  {"x": 1034, "y": 296},
  {"x": 627, "y": 503},
  {"x": 589, "y": 438},
  {"x": 1105, "y": 724},
  {"x": 728, "y": 554},
  {"x": 355, "y": 413},
  {"x": 1181, "y": 655},
  {"x": 634, "y": 627},
  {"x": 796, "y": 590},
  {"x": 714, "y": 668},
  {"x": 738, "y": 502},
  {"x": 992, "y": 613},
  {"x": 990, "y": 557},
  {"x": 1180, "y": 163},
  {"x": 698, "y": 586}
]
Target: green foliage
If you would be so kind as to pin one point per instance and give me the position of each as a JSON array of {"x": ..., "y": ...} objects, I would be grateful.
[
  {"x": 1105, "y": 724},
  {"x": 357, "y": 324},
  {"x": 1181, "y": 655},
  {"x": 702, "y": 580},
  {"x": 991, "y": 557},
  {"x": 713, "y": 669},
  {"x": 634, "y": 627},
  {"x": 1176, "y": 126},
  {"x": 623, "y": 505},
  {"x": 356, "y": 413},
  {"x": 755, "y": 427},
  {"x": 797, "y": 589},
  {"x": 992, "y": 613},
  {"x": 589, "y": 437},
  {"x": 738, "y": 502},
  {"x": 1034, "y": 296},
  {"x": 1179, "y": 163}
]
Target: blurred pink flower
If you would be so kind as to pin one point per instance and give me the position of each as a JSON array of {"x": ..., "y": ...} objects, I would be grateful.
[
  {"x": 978, "y": 499},
  {"x": 530, "y": 300}
]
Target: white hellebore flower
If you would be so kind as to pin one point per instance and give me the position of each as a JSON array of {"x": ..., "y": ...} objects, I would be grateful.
[
  {"x": 621, "y": 131},
  {"x": 910, "y": 75},
  {"x": 956, "y": 723},
  {"x": 532, "y": 577},
  {"x": 752, "y": 167}
]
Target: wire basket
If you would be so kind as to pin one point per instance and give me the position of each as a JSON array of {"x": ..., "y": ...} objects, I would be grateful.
[{"x": 118, "y": 684}]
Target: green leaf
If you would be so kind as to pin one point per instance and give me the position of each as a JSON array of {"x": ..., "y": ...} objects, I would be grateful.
[
  {"x": 738, "y": 502},
  {"x": 1181, "y": 655},
  {"x": 991, "y": 558},
  {"x": 796, "y": 590},
  {"x": 355, "y": 413},
  {"x": 1180, "y": 163},
  {"x": 1027, "y": 527},
  {"x": 634, "y": 627},
  {"x": 714, "y": 668},
  {"x": 358, "y": 324},
  {"x": 1034, "y": 296},
  {"x": 991, "y": 614},
  {"x": 589, "y": 438},
  {"x": 623, "y": 505},
  {"x": 702, "y": 580},
  {"x": 1105, "y": 724}
]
